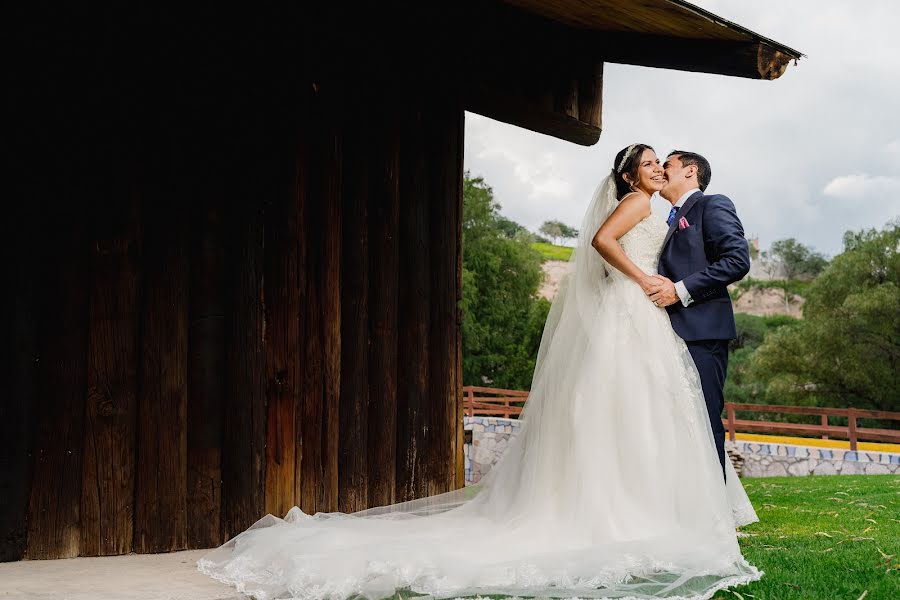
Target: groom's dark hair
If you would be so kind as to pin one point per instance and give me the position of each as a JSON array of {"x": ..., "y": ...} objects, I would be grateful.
[{"x": 704, "y": 171}]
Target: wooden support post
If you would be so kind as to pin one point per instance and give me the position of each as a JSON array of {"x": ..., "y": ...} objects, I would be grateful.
[
  {"x": 824, "y": 424},
  {"x": 851, "y": 426}
]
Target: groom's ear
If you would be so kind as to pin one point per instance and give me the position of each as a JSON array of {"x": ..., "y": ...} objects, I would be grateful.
[{"x": 691, "y": 171}]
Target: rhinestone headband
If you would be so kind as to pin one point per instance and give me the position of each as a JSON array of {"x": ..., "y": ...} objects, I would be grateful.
[{"x": 625, "y": 158}]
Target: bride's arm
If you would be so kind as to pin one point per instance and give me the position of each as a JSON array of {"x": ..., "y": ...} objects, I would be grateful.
[{"x": 630, "y": 211}]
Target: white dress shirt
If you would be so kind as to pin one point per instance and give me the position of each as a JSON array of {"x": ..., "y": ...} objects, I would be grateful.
[{"x": 682, "y": 292}]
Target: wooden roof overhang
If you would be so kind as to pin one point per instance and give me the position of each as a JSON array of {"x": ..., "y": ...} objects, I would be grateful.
[{"x": 538, "y": 63}]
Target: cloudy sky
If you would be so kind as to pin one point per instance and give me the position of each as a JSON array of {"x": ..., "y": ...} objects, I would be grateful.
[{"x": 809, "y": 155}]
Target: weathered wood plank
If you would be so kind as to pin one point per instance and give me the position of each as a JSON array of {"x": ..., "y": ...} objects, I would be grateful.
[
  {"x": 331, "y": 314},
  {"x": 18, "y": 355},
  {"x": 311, "y": 409},
  {"x": 107, "y": 497},
  {"x": 320, "y": 322},
  {"x": 384, "y": 259},
  {"x": 455, "y": 415},
  {"x": 53, "y": 515},
  {"x": 458, "y": 383},
  {"x": 161, "y": 487},
  {"x": 243, "y": 451},
  {"x": 413, "y": 323},
  {"x": 310, "y": 258},
  {"x": 353, "y": 485},
  {"x": 206, "y": 375},
  {"x": 444, "y": 151},
  {"x": 282, "y": 309}
]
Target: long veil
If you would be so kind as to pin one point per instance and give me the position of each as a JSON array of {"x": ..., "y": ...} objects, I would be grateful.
[{"x": 548, "y": 520}]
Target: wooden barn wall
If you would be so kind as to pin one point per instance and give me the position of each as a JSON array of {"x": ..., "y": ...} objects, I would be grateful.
[{"x": 206, "y": 324}]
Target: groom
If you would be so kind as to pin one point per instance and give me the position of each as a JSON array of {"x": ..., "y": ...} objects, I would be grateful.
[{"x": 704, "y": 251}]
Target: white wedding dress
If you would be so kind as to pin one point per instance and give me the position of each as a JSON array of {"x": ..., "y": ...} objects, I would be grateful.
[{"x": 612, "y": 488}]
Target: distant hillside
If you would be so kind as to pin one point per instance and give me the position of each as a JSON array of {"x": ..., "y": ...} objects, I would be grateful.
[
  {"x": 769, "y": 297},
  {"x": 765, "y": 302}
]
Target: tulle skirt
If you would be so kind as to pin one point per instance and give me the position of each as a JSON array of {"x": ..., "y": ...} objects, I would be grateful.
[{"x": 612, "y": 489}]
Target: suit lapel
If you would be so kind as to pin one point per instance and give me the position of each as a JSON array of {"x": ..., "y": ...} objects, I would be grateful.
[{"x": 688, "y": 204}]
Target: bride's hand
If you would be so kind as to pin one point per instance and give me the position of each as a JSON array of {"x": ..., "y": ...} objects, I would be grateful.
[{"x": 649, "y": 282}]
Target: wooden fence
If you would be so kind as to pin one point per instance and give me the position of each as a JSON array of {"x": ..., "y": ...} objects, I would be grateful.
[
  {"x": 851, "y": 431},
  {"x": 492, "y": 402},
  {"x": 496, "y": 402}
]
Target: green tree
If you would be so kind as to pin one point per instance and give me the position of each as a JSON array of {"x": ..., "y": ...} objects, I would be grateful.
[
  {"x": 741, "y": 385},
  {"x": 552, "y": 229},
  {"x": 846, "y": 351},
  {"x": 557, "y": 230},
  {"x": 794, "y": 260},
  {"x": 502, "y": 318},
  {"x": 510, "y": 228}
]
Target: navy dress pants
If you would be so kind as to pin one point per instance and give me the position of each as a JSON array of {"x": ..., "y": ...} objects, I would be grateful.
[{"x": 711, "y": 358}]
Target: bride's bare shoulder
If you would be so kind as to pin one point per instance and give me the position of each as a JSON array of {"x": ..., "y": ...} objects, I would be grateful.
[{"x": 636, "y": 201}]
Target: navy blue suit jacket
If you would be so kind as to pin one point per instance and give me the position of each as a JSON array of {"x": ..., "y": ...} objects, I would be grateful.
[{"x": 707, "y": 256}]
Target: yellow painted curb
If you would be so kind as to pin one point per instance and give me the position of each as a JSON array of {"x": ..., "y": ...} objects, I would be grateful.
[{"x": 817, "y": 442}]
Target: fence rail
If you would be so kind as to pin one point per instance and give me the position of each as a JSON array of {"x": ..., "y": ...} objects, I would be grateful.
[
  {"x": 851, "y": 431},
  {"x": 497, "y": 402},
  {"x": 493, "y": 402}
]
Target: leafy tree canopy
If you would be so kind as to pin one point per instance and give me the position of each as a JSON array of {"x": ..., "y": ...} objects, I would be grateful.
[
  {"x": 502, "y": 318},
  {"x": 846, "y": 351},
  {"x": 557, "y": 230},
  {"x": 793, "y": 260}
]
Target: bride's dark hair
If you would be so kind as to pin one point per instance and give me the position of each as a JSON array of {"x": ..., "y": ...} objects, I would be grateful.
[{"x": 630, "y": 166}]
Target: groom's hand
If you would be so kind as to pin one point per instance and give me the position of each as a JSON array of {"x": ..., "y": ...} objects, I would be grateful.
[{"x": 663, "y": 293}]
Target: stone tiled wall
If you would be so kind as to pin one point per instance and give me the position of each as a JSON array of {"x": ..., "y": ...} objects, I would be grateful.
[
  {"x": 770, "y": 460},
  {"x": 491, "y": 435}
]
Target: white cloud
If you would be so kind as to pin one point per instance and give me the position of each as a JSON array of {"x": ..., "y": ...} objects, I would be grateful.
[{"x": 859, "y": 187}]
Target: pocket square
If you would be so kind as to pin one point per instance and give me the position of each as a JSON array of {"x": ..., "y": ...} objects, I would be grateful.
[{"x": 683, "y": 223}]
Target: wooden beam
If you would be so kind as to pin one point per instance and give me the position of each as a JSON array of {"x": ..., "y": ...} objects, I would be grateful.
[
  {"x": 498, "y": 104},
  {"x": 747, "y": 59}
]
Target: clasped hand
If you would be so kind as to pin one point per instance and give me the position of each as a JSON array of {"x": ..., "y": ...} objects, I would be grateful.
[{"x": 660, "y": 290}]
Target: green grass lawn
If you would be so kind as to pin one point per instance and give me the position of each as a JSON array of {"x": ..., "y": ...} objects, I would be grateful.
[
  {"x": 551, "y": 252},
  {"x": 823, "y": 537}
]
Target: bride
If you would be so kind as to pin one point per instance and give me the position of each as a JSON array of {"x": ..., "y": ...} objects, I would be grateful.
[{"x": 612, "y": 488}]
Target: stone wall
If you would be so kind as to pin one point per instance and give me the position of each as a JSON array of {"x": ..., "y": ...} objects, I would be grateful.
[
  {"x": 771, "y": 460},
  {"x": 490, "y": 436}
]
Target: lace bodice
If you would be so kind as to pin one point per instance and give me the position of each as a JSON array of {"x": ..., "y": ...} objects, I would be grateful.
[{"x": 643, "y": 243}]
